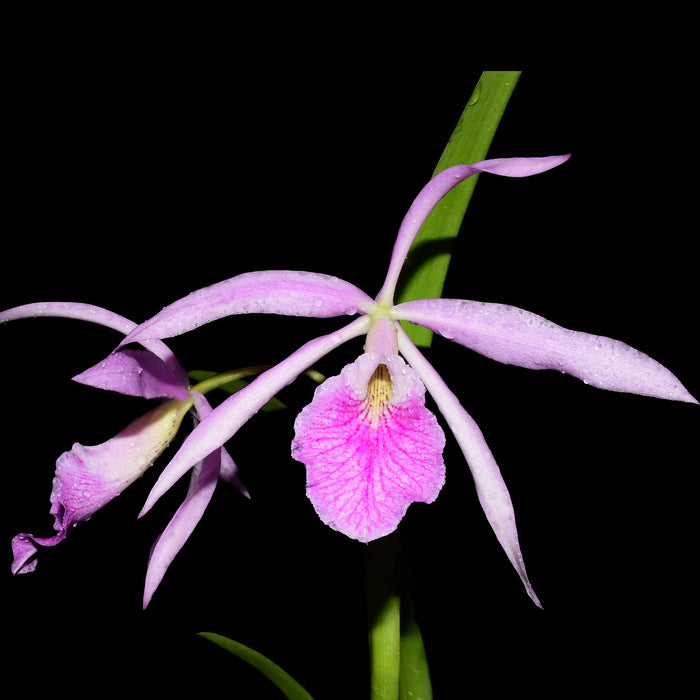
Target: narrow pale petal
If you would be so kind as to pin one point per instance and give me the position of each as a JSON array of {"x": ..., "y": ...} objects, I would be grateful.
[
  {"x": 437, "y": 188},
  {"x": 187, "y": 515},
  {"x": 517, "y": 337},
  {"x": 135, "y": 373},
  {"x": 228, "y": 417},
  {"x": 87, "y": 478},
  {"x": 98, "y": 315},
  {"x": 285, "y": 292},
  {"x": 69, "y": 309},
  {"x": 490, "y": 487},
  {"x": 228, "y": 472},
  {"x": 370, "y": 446}
]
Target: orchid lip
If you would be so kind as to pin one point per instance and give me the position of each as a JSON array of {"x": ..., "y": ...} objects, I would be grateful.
[{"x": 370, "y": 447}]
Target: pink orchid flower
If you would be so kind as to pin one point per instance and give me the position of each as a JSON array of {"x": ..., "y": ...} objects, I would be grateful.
[
  {"x": 370, "y": 445},
  {"x": 89, "y": 477}
]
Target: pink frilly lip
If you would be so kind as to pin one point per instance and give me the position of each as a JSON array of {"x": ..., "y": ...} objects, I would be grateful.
[{"x": 370, "y": 446}]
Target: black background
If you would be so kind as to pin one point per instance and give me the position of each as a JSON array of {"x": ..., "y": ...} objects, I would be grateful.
[{"x": 141, "y": 165}]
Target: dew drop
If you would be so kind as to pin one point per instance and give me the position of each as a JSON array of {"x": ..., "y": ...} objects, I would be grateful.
[{"x": 475, "y": 95}]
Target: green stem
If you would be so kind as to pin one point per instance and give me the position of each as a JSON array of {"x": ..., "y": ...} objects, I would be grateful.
[
  {"x": 414, "y": 680},
  {"x": 216, "y": 381},
  {"x": 383, "y": 579}
]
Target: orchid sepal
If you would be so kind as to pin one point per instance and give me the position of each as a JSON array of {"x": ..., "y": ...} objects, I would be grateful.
[
  {"x": 514, "y": 336},
  {"x": 188, "y": 515},
  {"x": 437, "y": 188},
  {"x": 284, "y": 292},
  {"x": 491, "y": 489},
  {"x": 98, "y": 315}
]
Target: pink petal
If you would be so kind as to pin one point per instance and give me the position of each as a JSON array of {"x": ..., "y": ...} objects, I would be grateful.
[
  {"x": 514, "y": 336},
  {"x": 370, "y": 446},
  {"x": 69, "y": 309},
  {"x": 437, "y": 188},
  {"x": 228, "y": 472},
  {"x": 135, "y": 373},
  {"x": 24, "y": 550},
  {"x": 187, "y": 516},
  {"x": 284, "y": 292},
  {"x": 98, "y": 315},
  {"x": 490, "y": 487}
]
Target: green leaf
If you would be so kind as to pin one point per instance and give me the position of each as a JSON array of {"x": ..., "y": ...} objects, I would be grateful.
[
  {"x": 290, "y": 687},
  {"x": 426, "y": 266}
]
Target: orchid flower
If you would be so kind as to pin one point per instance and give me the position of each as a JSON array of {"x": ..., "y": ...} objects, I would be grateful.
[
  {"x": 369, "y": 444},
  {"x": 89, "y": 477}
]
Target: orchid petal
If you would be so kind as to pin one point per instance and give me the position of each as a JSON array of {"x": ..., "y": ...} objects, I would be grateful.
[
  {"x": 98, "y": 315},
  {"x": 370, "y": 446},
  {"x": 437, "y": 188},
  {"x": 284, "y": 292},
  {"x": 228, "y": 472},
  {"x": 187, "y": 515},
  {"x": 87, "y": 478},
  {"x": 135, "y": 373},
  {"x": 490, "y": 487},
  {"x": 69, "y": 309},
  {"x": 514, "y": 336},
  {"x": 24, "y": 550},
  {"x": 220, "y": 425}
]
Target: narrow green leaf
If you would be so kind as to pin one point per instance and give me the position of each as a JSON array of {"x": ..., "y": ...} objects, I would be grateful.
[
  {"x": 426, "y": 266},
  {"x": 290, "y": 687}
]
